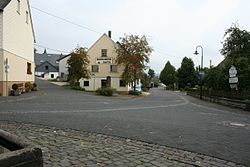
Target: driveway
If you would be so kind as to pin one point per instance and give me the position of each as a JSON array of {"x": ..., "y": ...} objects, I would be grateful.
[{"x": 164, "y": 117}]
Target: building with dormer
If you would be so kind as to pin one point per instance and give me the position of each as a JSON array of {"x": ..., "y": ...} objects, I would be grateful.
[{"x": 103, "y": 67}]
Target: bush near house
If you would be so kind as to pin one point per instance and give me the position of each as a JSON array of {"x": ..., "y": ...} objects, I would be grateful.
[
  {"x": 77, "y": 88},
  {"x": 28, "y": 87},
  {"x": 106, "y": 91},
  {"x": 34, "y": 87}
]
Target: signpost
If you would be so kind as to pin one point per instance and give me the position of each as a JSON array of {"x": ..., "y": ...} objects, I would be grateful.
[
  {"x": 233, "y": 79},
  {"x": 7, "y": 69}
]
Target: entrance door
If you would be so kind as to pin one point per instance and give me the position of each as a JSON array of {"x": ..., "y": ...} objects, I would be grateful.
[{"x": 108, "y": 81}]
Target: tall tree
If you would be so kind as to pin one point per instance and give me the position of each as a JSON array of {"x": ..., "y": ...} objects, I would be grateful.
[
  {"x": 186, "y": 73},
  {"x": 168, "y": 75},
  {"x": 78, "y": 65},
  {"x": 236, "y": 49},
  {"x": 151, "y": 74},
  {"x": 133, "y": 53}
]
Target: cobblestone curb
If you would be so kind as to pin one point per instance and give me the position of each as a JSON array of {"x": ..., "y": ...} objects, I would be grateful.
[{"x": 65, "y": 147}]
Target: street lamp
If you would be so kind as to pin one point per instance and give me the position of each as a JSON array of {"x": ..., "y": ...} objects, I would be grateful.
[{"x": 201, "y": 69}]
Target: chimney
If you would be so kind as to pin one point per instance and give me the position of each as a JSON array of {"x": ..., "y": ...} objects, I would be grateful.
[{"x": 109, "y": 34}]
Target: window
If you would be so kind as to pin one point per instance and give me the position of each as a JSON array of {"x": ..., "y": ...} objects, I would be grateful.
[
  {"x": 27, "y": 17},
  {"x": 104, "y": 83},
  {"x": 104, "y": 52},
  {"x": 113, "y": 68},
  {"x": 122, "y": 83},
  {"x": 29, "y": 68},
  {"x": 52, "y": 76},
  {"x": 95, "y": 68},
  {"x": 86, "y": 83},
  {"x": 18, "y": 6},
  {"x": 41, "y": 61},
  {"x": 46, "y": 67}
]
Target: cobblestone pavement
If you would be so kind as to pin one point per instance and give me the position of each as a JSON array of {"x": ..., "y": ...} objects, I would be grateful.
[{"x": 66, "y": 147}]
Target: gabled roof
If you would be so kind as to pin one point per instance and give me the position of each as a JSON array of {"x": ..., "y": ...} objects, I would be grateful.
[
  {"x": 51, "y": 58},
  {"x": 104, "y": 35},
  {"x": 63, "y": 57},
  {"x": 3, "y": 4},
  {"x": 40, "y": 68}
]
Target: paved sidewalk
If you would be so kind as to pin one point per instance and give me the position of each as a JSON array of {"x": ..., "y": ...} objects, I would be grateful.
[{"x": 74, "y": 148}]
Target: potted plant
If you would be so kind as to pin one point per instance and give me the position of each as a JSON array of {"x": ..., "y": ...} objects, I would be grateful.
[{"x": 15, "y": 91}]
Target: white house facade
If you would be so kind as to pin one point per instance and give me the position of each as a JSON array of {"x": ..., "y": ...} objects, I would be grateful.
[
  {"x": 16, "y": 44},
  {"x": 103, "y": 67}
]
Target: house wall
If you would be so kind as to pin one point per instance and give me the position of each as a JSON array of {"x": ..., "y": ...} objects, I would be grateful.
[
  {"x": 95, "y": 83},
  {"x": 63, "y": 68},
  {"x": 18, "y": 37},
  {"x": 1, "y": 29},
  {"x": 104, "y": 68},
  {"x": 17, "y": 45},
  {"x": 48, "y": 75}
]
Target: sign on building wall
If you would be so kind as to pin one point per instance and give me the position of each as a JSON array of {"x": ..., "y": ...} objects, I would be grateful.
[{"x": 104, "y": 60}]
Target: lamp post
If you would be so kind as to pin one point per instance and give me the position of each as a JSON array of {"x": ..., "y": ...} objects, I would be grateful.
[{"x": 201, "y": 69}]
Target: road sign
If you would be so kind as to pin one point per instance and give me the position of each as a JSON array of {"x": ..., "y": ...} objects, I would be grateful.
[
  {"x": 232, "y": 72},
  {"x": 233, "y": 80}
]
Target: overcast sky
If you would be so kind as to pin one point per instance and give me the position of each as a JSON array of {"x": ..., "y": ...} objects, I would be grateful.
[{"x": 174, "y": 27}]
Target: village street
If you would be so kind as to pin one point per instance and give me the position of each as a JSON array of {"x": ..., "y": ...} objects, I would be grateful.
[{"x": 163, "y": 117}]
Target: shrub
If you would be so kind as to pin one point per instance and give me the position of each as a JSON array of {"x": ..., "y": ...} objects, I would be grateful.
[
  {"x": 131, "y": 92},
  {"x": 106, "y": 91},
  {"x": 34, "y": 87},
  {"x": 77, "y": 88},
  {"x": 28, "y": 87},
  {"x": 14, "y": 86}
]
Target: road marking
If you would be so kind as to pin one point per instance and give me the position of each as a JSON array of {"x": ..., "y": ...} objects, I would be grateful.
[
  {"x": 211, "y": 114},
  {"x": 237, "y": 124},
  {"x": 95, "y": 111}
]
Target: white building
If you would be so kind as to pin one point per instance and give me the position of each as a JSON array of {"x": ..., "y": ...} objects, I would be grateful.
[
  {"x": 16, "y": 44},
  {"x": 103, "y": 67}
]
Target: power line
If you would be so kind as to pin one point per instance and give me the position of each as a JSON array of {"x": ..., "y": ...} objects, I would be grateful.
[
  {"x": 65, "y": 20},
  {"x": 81, "y": 26},
  {"x": 41, "y": 46}
]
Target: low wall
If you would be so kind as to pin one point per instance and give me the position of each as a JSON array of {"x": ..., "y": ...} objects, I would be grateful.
[
  {"x": 20, "y": 152},
  {"x": 241, "y": 104}
]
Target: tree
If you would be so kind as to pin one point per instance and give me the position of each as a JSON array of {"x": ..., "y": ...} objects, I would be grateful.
[
  {"x": 168, "y": 75},
  {"x": 151, "y": 74},
  {"x": 236, "y": 49},
  {"x": 78, "y": 65},
  {"x": 145, "y": 81},
  {"x": 216, "y": 79},
  {"x": 133, "y": 53},
  {"x": 186, "y": 73}
]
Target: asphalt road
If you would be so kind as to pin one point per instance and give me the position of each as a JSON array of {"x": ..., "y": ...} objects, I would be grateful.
[{"x": 163, "y": 117}]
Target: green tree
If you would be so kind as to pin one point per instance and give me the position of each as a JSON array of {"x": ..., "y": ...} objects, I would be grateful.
[
  {"x": 133, "y": 53},
  {"x": 145, "y": 81},
  {"x": 215, "y": 79},
  {"x": 168, "y": 75},
  {"x": 151, "y": 74},
  {"x": 186, "y": 73},
  {"x": 236, "y": 49},
  {"x": 78, "y": 65}
]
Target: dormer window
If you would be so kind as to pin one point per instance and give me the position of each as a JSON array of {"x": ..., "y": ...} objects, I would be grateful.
[
  {"x": 104, "y": 52},
  {"x": 18, "y": 7}
]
